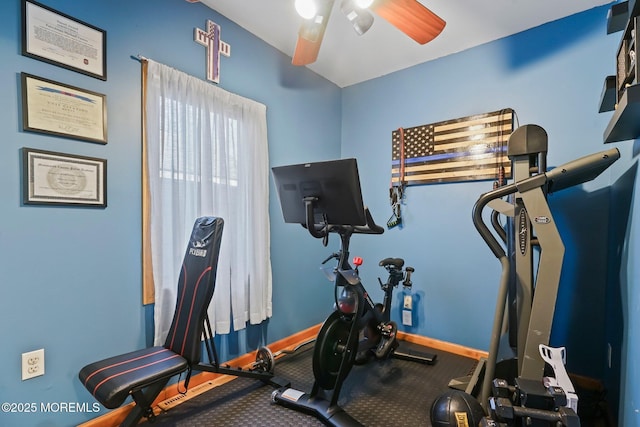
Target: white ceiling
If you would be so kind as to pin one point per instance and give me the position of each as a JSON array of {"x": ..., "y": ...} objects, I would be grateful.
[{"x": 346, "y": 58}]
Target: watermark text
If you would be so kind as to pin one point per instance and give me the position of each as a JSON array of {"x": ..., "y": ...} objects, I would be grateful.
[{"x": 49, "y": 407}]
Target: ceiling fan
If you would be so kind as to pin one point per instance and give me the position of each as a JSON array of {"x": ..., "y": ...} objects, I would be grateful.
[{"x": 409, "y": 16}]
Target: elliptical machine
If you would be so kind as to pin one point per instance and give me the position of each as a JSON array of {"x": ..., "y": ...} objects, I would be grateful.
[
  {"x": 528, "y": 397},
  {"x": 325, "y": 198}
]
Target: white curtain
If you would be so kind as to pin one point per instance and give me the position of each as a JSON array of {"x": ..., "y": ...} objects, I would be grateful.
[{"x": 207, "y": 155}]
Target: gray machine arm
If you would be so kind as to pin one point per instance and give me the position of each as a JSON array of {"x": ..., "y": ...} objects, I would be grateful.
[{"x": 533, "y": 190}]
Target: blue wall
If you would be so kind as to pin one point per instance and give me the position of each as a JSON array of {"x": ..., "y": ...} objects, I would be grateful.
[
  {"x": 551, "y": 76},
  {"x": 553, "y": 84},
  {"x": 71, "y": 276}
]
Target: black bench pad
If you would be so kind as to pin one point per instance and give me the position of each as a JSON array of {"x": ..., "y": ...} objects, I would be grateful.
[{"x": 111, "y": 380}]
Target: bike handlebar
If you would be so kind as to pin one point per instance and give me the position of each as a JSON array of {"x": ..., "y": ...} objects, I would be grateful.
[
  {"x": 320, "y": 231},
  {"x": 370, "y": 227}
]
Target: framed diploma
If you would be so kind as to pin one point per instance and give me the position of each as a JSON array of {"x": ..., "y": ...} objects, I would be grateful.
[
  {"x": 58, "y": 109},
  {"x": 59, "y": 39},
  {"x": 51, "y": 178}
]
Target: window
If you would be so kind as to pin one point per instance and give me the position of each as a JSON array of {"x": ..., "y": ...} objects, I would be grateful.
[{"x": 206, "y": 154}]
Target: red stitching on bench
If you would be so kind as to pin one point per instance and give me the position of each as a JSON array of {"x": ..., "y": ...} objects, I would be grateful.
[
  {"x": 174, "y": 355},
  {"x": 193, "y": 301},
  {"x": 122, "y": 363},
  {"x": 179, "y": 308}
]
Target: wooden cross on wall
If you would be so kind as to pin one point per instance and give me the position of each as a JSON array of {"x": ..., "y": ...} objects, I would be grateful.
[{"x": 210, "y": 38}]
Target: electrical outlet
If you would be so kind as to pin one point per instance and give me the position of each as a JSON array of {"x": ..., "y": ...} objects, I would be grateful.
[{"x": 32, "y": 364}]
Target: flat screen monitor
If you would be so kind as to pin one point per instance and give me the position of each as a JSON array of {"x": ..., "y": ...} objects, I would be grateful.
[{"x": 335, "y": 185}]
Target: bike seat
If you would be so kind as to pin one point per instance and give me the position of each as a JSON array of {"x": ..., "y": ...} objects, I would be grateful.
[{"x": 392, "y": 262}]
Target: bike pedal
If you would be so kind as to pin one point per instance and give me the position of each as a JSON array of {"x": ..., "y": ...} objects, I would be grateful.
[
  {"x": 388, "y": 342},
  {"x": 387, "y": 330}
]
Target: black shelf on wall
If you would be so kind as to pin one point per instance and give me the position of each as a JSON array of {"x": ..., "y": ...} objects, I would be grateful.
[
  {"x": 618, "y": 17},
  {"x": 621, "y": 93},
  {"x": 625, "y": 122}
]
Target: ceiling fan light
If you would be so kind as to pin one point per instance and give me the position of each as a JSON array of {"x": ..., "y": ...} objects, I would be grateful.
[
  {"x": 362, "y": 23},
  {"x": 306, "y": 8},
  {"x": 361, "y": 19},
  {"x": 363, "y": 4}
]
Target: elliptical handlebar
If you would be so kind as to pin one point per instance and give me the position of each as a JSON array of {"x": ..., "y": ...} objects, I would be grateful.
[
  {"x": 575, "y": 172},
  {"x": 483, "y": 229}
]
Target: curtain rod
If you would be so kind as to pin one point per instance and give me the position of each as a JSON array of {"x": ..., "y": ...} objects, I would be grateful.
[{"x": 141, "y": 58}]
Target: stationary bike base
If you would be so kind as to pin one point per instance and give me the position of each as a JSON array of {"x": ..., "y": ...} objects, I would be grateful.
[
  {"x": 333, "y": 357},
  {"x": 331, "y": 415},
  {"x": 415, "y": 356}
]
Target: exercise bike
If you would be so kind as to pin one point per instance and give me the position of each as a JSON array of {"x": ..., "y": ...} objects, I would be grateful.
[
  {"x": 356, "y": 332},
  {"x": 325, "y": 198},
  {"x": 377, "y": 339}
]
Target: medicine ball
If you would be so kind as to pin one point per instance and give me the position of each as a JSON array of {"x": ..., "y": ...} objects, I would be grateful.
[{"x": 456, "y": 408}]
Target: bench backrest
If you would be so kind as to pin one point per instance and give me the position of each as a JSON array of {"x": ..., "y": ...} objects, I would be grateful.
[{"x": 195, "y": 288}]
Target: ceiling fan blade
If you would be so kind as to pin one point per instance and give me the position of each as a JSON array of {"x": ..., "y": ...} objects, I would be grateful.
[
  {"x": 306, "y": 51},
  {"x": 311, "y": 34},
  {"x": 410, "y": 17}
]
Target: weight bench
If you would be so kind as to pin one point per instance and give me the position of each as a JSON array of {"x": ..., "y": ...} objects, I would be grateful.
[{"x": 143, "y": 374}]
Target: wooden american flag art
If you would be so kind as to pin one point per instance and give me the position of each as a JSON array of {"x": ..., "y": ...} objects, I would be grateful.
[{"x": 471, "y": 148}]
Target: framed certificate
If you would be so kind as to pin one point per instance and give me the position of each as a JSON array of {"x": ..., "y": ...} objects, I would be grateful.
[
  {"x": 59, "y": 39},
  {"x": 58, "y": 109},
  {"x": 51, "y": 178}
]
